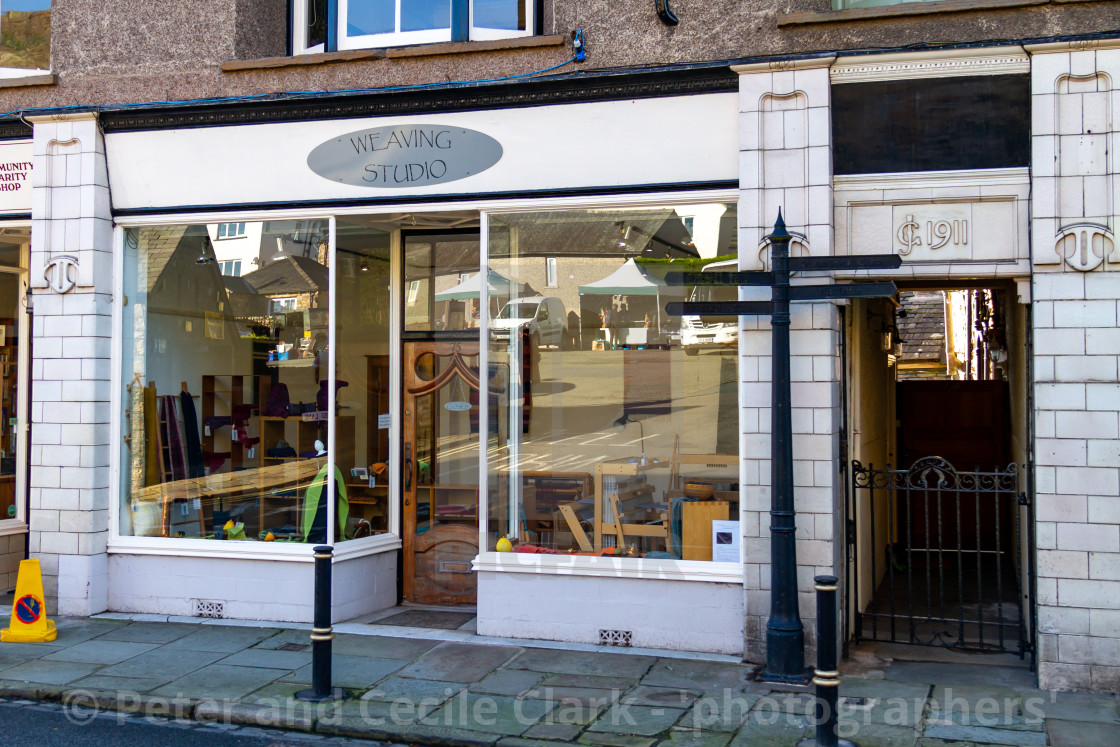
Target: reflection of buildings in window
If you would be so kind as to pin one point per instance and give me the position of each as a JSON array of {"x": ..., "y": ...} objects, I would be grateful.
[
  {"x": 25, "y": 36},
  {"x": 280, "y": 305}
]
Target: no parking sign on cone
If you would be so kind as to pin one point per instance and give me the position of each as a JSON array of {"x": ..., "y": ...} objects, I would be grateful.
[{"x": 29, "y": 613}]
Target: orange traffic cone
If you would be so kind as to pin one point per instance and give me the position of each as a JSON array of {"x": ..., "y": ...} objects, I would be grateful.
[{"x": 29, "y": 612}]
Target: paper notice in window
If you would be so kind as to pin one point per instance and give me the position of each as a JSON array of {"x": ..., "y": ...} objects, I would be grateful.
[
  {"x": 725, "y": 541},
  {"x": 384, "y": 421}
]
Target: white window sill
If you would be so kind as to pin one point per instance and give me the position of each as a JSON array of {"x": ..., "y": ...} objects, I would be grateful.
[
  {"x": 17, "y": 78},
  {"x": 274, "y": 551},
  {"x": 909, "y": 9},
  {"x": 606, "y": 567},
  {"x": 12, "y": 526},
  {"x": 417, "y": 50}
]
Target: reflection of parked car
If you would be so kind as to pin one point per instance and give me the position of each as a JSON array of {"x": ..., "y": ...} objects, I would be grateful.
[
  {"x": 697, "y": 334},
  {"x": 544, "y": 316}
]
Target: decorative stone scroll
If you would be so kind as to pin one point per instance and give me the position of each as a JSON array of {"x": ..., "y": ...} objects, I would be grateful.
[{"x": 1086, "y": 246}]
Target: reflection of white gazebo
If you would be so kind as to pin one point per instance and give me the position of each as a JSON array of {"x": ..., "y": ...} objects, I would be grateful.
[
  {"x": 499, "y": 288},
  {"x": 629, "y": 280}
]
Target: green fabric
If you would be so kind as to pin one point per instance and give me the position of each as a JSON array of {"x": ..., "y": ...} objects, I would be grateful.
[{"x": 311, "y": 502}]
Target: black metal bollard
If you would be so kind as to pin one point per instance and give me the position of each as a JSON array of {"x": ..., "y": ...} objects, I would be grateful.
[
  {"x": 826, "y": 676},
  {"x": 322, "y": 634}
]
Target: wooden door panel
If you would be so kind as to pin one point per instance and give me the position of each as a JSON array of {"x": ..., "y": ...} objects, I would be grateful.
[
  {"x": 437, "y": 561},
  {"x": 443, "y": 566}
]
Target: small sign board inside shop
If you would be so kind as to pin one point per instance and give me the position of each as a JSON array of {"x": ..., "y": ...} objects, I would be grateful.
[{"x": 407, "y": 155}]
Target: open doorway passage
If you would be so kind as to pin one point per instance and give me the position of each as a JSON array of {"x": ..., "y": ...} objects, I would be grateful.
[{"x": 937, "y": 519}]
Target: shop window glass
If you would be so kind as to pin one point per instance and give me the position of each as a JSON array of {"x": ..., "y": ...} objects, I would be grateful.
[
  {"x": 617, "y": 439},
  {"x": 225, "y": 411},
  {"x": 442, "y": 281},
  {"x": 9, "y": 392},
  {"x": 362, "y": 426},
  {"x": 14, "y": 244},
  {"x": 25, "y": 37}
]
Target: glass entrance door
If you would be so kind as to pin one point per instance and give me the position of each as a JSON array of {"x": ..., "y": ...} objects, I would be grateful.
[{"x": 440, "y": 416}]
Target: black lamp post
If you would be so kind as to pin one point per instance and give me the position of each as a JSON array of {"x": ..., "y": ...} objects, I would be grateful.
[{"x": 785, "y": 636}]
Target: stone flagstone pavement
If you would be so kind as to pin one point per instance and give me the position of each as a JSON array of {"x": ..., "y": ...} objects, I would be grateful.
[{"x": 406, "y": 685}]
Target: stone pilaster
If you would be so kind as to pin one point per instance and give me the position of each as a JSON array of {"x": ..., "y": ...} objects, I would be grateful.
[
  {"x": 71, "y": 276},
  {"x": 786, "y": 162},
  {"x": 1076, "y": 292}
]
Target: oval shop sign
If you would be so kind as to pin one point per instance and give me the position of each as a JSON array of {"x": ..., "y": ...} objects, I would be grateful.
[{"x": 408, "y": 155}]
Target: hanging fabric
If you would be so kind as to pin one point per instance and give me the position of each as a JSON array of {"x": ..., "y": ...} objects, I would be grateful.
[
  {"x": 150, "y": 424},
  {"x": 173, "y": 444},
  {"x": 192, "y": 436}
]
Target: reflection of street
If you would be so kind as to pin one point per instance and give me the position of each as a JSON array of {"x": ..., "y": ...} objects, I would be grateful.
[{"x": 580, "y": 395}]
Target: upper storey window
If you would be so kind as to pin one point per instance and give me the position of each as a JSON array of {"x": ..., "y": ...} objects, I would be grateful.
[
  {"x": 324, "y": 25},
  {"x": 25, "y": 37}
]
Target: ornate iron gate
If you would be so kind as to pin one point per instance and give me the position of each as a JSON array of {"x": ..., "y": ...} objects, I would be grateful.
[{"x": 944, "y": 550}]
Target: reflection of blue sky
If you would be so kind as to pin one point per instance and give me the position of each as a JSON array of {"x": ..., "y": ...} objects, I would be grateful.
[
  {"x": 496, "y": 14},
  {"x": 6, "y": 5},
  {"x": 378, "y": 16},
  {"x": 368, "y": 17}
]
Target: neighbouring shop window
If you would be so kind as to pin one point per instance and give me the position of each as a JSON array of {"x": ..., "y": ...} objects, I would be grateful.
[
  {"x": 13, "y": 245},
  {"x": 382, "y": 23},
  {"x": 623, "y": 431},
  {"x": 226, "y": 386},
  {"x": 25, "y": 37}
]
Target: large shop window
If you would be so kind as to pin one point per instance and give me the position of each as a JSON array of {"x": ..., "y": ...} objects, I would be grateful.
[
  {"x": 621, "y": 433},
  {"x": 363, "y": 24},
  {"x": 228, "y": 383},
  {"x": 25, "y": 37}
]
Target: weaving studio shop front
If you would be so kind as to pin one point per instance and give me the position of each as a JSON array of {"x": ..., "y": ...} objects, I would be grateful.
[{"x": 428, "y": 341}]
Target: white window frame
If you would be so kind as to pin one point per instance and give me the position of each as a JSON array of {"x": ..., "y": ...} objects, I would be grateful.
[
  {"x": 398, "y": 38},
  {"x": 299, "y": 30},
  {"x": 238, "y": 227},
  {"x": 551, "y": 276},
  {"x": 296, "y": 552},
  {"x": 391, "y": 39},
  {"x": 480, "y": 33},
  {"x": 489, "y": 561}
]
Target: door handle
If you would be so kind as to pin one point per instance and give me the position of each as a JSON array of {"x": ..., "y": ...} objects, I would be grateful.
[{"x": 407, "y": 468}]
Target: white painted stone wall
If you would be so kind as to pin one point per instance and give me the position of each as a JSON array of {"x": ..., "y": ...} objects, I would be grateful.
[
  {"x": 786, "y": 162},
  {"x": 1076, "y": 294},
  {"x": 69, "y": 480},
  {"x": 676, "y": 615},
  {"x": 249, "y": 589}
]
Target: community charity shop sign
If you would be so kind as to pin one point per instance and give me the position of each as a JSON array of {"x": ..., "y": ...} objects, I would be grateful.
[
  {"x": 15, "y": 177},
  {"x": 409, "y": 155}
]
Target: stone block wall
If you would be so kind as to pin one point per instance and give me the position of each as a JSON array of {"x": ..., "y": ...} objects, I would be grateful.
[
  {"x": 71, "y": 372},
  {"x": 1076, "y": 310},
  {"x": 786, "y": 162},
  {"x": 12, "y": 550}
]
